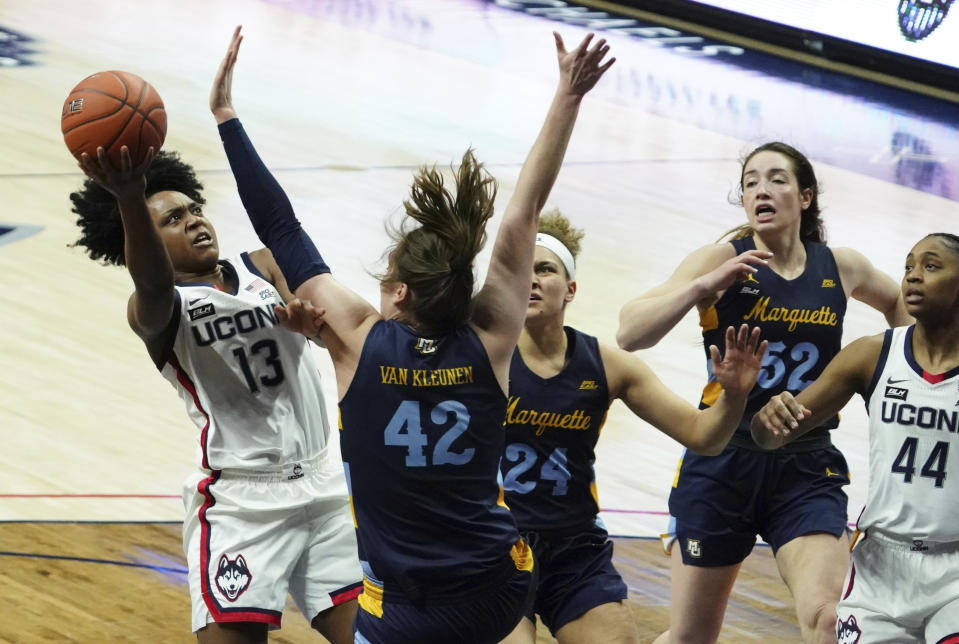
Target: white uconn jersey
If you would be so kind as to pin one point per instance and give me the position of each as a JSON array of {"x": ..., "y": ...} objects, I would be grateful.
[
  {"x": 913, "y": 446},
  {"x": 249, "y": 384}
]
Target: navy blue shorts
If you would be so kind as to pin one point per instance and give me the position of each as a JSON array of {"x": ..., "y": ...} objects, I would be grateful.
[
  {"x": 487, "y": 618},
  {"x": 576, "y": 574},
  {"x": 720, "y": 503}
]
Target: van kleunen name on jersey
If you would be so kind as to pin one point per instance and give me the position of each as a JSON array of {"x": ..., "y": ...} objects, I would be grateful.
[
  {"x": 762, "y": 312},
  {"x": 390, "y": 375},
  {"x": 228, "y": 326},
  {"x": 543, "y": 420},
  {"x": 924, "y": 417}
]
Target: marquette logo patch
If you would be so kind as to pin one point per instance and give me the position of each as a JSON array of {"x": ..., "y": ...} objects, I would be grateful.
[
  {"x": 425, "y": 346},
  {"x": 201, "y": 312},
  {"x": 763, "y": 312},
  {"x": 897, "y": 393},
  {"x": 540, "y": 421},
  {"x": 828, "y": 283},
  {"x": 588, "y": 385},
  {"x": 694, "y": 548}
]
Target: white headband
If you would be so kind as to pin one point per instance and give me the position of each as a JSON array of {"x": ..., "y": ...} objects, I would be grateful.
[{"x": 551, "y": 243}]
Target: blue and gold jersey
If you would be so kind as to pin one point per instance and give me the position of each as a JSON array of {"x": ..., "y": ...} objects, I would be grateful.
[
  {"x": 802, "y": 320},
  {"x": 421, "y": 438},
  {"x": 552, "y": 425}
]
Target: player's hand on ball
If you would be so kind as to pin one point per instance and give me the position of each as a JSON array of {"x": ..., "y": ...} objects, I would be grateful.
[{"x": 120, "y": 182}]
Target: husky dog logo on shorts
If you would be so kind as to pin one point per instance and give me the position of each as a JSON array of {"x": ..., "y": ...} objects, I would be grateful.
[
  {"x": 847, "y": 632},
  {"x": 694, "y": 548},
  {"x": 232, "y": 576}
]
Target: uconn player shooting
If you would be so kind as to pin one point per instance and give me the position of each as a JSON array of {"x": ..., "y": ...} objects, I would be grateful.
[{"x": 267, "y": 512}]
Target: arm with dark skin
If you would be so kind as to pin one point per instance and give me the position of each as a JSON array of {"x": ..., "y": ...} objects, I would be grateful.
[
  {"x": 151, "y": 305},
  {"x": 785, "y": 417}
]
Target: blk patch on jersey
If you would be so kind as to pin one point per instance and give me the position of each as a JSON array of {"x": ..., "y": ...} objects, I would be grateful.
[
  {"x": 201, "y": 312},
  {"x": 897, "y": 393}
]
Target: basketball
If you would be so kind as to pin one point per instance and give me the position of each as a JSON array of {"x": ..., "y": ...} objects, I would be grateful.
[{"x": 112, "y": 109}]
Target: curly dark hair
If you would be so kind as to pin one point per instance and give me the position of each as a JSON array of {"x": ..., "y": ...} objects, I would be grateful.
[{"x": 99, "y": 217}]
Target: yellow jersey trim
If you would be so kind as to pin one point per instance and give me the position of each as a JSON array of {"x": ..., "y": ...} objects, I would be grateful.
[{"x": 371, "y": 599}]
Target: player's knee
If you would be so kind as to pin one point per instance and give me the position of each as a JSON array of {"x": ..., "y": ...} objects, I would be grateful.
[
  {"x": 612, "y": 622},
  {"x": 820, "y": 624}
]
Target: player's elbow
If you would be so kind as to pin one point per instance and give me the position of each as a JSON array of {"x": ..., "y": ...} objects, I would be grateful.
[
  {"x": 631, "y": 341},
  {"x": 708, "y": 447}
]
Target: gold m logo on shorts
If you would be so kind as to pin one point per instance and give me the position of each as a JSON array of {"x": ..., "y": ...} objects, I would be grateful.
[{"x": 694, "y": 548}]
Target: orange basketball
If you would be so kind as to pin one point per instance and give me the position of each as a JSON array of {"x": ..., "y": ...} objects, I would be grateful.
[{"x": 112, "y": 109}]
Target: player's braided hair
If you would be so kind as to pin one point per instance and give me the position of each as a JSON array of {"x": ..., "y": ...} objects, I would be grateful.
[{"x": 101, "y": 230}]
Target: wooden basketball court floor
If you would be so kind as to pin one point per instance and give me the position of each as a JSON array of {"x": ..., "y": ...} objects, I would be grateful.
[{"x": 344, "y": 99}]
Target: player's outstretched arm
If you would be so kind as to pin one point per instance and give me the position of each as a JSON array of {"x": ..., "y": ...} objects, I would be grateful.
[
  {"x": 265, "y": 201},
  {"x": 151, "y": 305},
  {"x": 500, "y": 307},
  {"x": 704, "y": 431},
  {"x": 785, "y": 417},
  {"x": 274, "y": 220}
]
